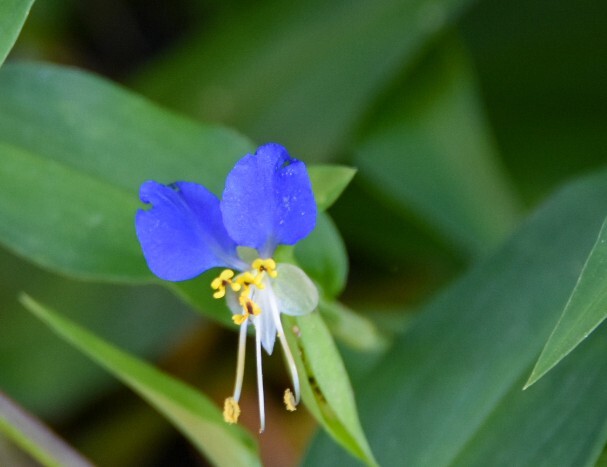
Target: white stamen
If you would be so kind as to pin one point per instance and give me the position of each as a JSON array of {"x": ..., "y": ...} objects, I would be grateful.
[
  {"x": 242, "y": 345},
  {"x": 283, "y": 339},
  {"x": 262, "y": 414}
]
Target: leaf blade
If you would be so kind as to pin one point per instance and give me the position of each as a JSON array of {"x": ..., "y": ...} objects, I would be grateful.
[
  {"x": 328, "y": 182},
  {"x": 13, "y": 14},
  {"x": 325, "y": 385},
  {"x": 298, "y": 58},
  {"x": 449, "y": 389},
  {"x": 96, "y": 143},
  {"x": 585, "y": 310},
  {"x": 431, "y": 156},
  {"x": 35, "y": 438},
  {"x": 192, "y": 413}
]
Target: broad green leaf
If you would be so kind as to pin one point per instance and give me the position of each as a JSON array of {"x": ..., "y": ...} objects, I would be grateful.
[
  {"x": 303, "y": 73},
  {"x": 325, "y": 385},
  {"x": 26, "y": 346},
  {"x": 12, "y": 16},
  {"x": 323, "y": 256},
  {"x": 351, "y": 328},
  {"x": 189, "y": 410},
  {"x": 449, "y": 392},
  {"x": 67, "y": 220},
  {"x": 584, "y": 312},
  {"x": 35, "y": 438},
  {"x": 72, "y": 168},
  {"x": 328, "y": 182},
  {"x": 430, "y": 154}
]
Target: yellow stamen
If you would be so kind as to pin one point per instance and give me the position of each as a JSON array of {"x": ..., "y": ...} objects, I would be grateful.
[
  {"x": 247, "y": 279},
  {"x": 231, "y": 410},
  {"x": 239, "y": 319},
  {"x": 249, "y": 306},
  {"x": 266, "y": 265},
  {"x": 289, "y": 400},
  {"x": 219, "y": 283}
]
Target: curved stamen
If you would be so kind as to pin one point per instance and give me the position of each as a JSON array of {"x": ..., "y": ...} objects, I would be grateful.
[
  {"x": 262, "y": 414},
  {"x": 242, "y": 345},
  {"x": 283, "y": 341}
]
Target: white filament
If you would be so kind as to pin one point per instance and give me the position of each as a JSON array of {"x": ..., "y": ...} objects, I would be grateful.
[
  {"x": 242, "y": 345},
  {"x": 262, "y": 414}
]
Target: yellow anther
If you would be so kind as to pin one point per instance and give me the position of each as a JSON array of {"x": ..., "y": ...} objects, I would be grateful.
[
  {"x": 220, "y": 283},
  {"x": 231, "y": 410},
  {"x": 289, "y": 401},
  {"x": 249, "y": 306},
  {"x": 247, "y": 279},
  {"x": 239, "y": 319},
  {"x": 266, "y": 265}
]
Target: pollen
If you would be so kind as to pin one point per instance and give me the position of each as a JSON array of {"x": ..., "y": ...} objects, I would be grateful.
[
  {"x": 239, "y": 319},
  {"x": 224, "y": 280},
  {"x": 247, "y": 280},
  {"x": 289, "y": 401},
  {"x": 266, "y": 265},
  {"x": 231, "y": 410},
  {"x": 249, "y": 306}
]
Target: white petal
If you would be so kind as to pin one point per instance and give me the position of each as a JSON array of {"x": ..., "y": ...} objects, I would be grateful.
[
  {"x": 264, "y": 322},
  {"x": 295, "y": 293}
]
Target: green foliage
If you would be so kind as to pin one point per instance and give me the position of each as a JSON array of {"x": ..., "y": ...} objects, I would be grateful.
[
  {"x": 192, "y": 413},
  {"x": 450, "y": 391},
  {"x": 125, "y": 141},
  {"x": 328, "y": 182},
  {"x": 329, "y": 264},
  {"x": 35, "y": 438},
  {"x": 108, "y": 309},
  {"x": 84, "y": 163},
  {"x": 584, "y": 312},
  {"x": 296, "y": 70},
  {"x": 12, "y": 16},
  {"x": 325, "y": 386},
  {"x": 454, "y": 114},
  {"x": 430, "y": 154}
]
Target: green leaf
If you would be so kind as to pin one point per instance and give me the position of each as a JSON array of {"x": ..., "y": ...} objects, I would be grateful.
[
  {"x": 430, "y": 154},
  {"x": 328, "y": 182},
  {"x": 75, "y": 164},
  {"x": 72, "y": 168},
  {"x": 322, "y": 254},
  {"x": 449, "y": 392},
  {"x": 351, "y": 328},
  {"x": 325, "y": 385},
  {"x": 26, "y": 346},
  {"x": 584, "y": 312},
  {"x": 192, "y": 413},
  {"x": 35, "y": 438},
  {"x": 12, "y": 16},
  {"x": 303, "y": 74},
  {"x": 92, "y": 234}
]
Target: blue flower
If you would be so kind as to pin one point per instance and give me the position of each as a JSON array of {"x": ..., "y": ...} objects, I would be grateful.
[{"x": 267, "y": 201}]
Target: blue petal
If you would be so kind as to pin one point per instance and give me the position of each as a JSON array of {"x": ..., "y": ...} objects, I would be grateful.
[
  {"x": 268, "y": 200},
  {"x": 182, "y": 235}
]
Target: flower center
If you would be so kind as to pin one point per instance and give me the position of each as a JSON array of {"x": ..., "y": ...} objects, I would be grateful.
[{"x": 245, "y": 283}]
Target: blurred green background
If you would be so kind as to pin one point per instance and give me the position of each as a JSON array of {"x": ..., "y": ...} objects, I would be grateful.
[{"x": 461, "y": 117}]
